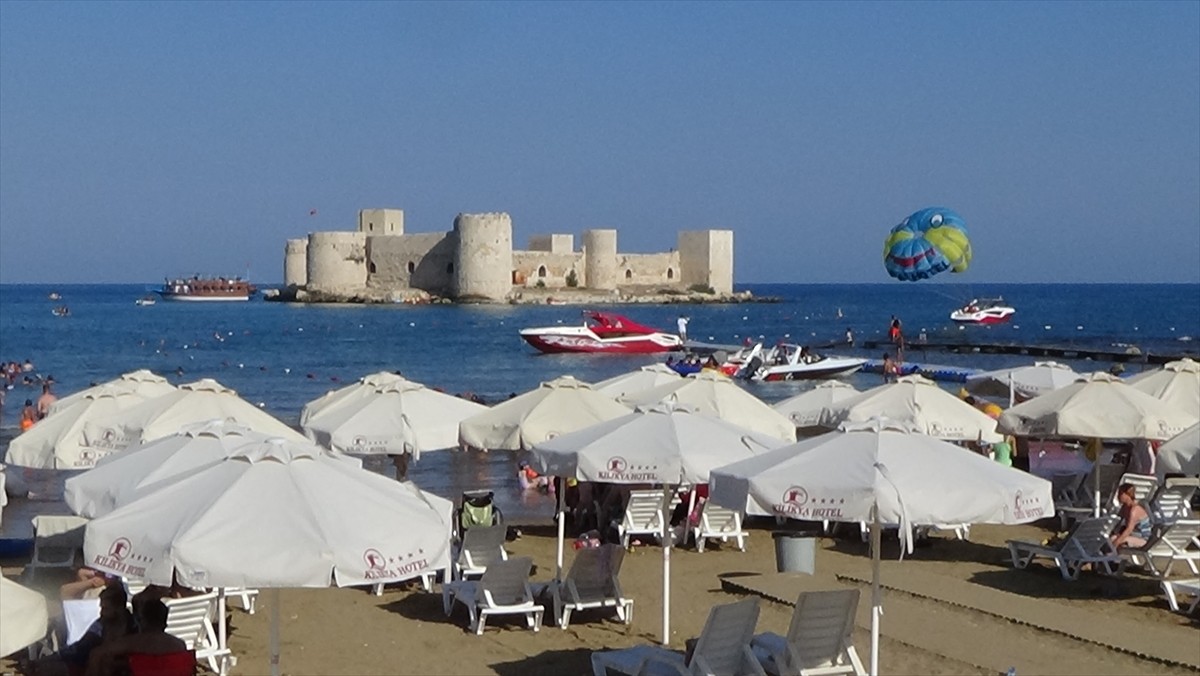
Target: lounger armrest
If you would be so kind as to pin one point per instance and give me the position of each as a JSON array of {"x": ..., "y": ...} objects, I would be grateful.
[{"x": 1034, "y": 547}]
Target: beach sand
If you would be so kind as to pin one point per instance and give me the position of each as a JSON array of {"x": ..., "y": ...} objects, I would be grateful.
[{"x": 404, "y": 631}]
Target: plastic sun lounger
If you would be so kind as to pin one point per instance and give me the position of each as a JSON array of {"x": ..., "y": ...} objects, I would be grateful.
[
  {"x": 1087, "y": 544},
  {"x": 1178, "y": 542},
  {"x": 481, "y": 546},
  {"x": 503, "y": 590},
  {"x": 719, "y": 523},
  {"x": 1173, "y": 501},
  {"x": 56, "y": 541},
  {"x": 723, "y": 648},
  {"x": 1178, "y": 589},
  {"x": 190, "y": 620},
  {"x": 643, "y": 516},
  {"x": 591, "y": 582},
  {"x": 820, "y": 638}
]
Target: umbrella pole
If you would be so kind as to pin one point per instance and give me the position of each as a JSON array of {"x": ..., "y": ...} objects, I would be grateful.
[
  {"x": 876, "y": 601},
  {"x": 558, "y": 562},
  {"x": 1012, "y": 394},
  {"x": 666, "y": 566},
  {"x": 222, "y": 629},
  {"x": 275, "y": 631},
  {"x": 1096, "y": 481}
]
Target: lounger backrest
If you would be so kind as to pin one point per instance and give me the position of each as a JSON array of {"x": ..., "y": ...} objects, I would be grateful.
[
  {"x": 1090, "y": 537},
  {"x": 1144, "y": 487},
  {"x": 721, "y": 647},
  {"x": 593, "y": 574},
  {"x": 186, "y": 618},
  {"x": 717, "y": 519},
  {"x": 56, "y": 538},
  {"x": 506, "y": 582},
  {"x": 1065, "y": 487},
  {"x": 482, "y": 546},
  {"x": 644, "y": 511},
  {"x": 822, "y": 625},
  {"x": 1178, "y": 536},
  {"x": 1174, "y": 500},
  {"x": 1108, "y": 477}
]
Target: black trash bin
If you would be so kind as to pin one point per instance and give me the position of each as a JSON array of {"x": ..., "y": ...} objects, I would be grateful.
[{"x": 795, "y": 551}]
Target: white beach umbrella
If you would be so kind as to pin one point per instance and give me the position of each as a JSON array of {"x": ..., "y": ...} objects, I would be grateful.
[
  {"x": 23, "y": 617},
  {"x": 1022, "y": 382},
  {"x": 634, "y": 382},
  {"x": 1180, "y": 454},
  {"x": 275, "y": 514},
  {"x": 556, "y": 407},
  {"x": 80, "y": 434},
  {"x": 882, "y": 471},
  {"x": 142, "y": 382},
  {"x": 664, "y": 444},
  {"x": 1098, "y": 405},
  {"x": 1176, "y": 383},
  {"x": 805, "y": 409},
  {"x": 203, "y": 400},
  {"x": 385, "y": 414},
  {"x": 716, "y": 394},
  {"x": 917, "y": 400}
]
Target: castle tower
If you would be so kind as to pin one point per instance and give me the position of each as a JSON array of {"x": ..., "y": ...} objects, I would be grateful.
[
  {"x": 295, "y": 262},
  {"x": 483, "y": 260},
  {"x": 706, "y": 257},
  {"x": 381, "y": 221},
  {"x": 337, "y": 261},
  {"x": 600, "y": 259}
]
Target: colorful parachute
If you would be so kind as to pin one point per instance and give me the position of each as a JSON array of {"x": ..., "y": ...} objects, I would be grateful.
[{"x": 930, "y": 241}]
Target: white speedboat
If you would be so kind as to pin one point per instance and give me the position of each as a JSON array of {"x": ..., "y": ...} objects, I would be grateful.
[
  {"x": 145, "y": 300},
  {"x": 983, "y": 311},
  {"x": 786, "y": 361},
  {"x": 602, "y": 332}
]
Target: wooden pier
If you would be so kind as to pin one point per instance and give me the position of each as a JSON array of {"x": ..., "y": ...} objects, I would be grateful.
[{"x": 1128, "y": 355}]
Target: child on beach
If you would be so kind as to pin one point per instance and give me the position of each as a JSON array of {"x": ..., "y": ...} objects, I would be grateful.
[{"x": 28, "y": 415}]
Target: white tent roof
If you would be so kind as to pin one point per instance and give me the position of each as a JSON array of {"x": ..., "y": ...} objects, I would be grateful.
[
  {"x": 638, "y": 381},
  {"x": 1177, "y": 383},
  {"x": 23, "y": 617},
  {"x": 1097, "y": 405},
  {"x": 919, "y": 401},
  {"x": 142, "y": 382},
  {"x": 275, "y": 514},
  {"x": 556, "y": 407},
  {"x": 805, "y": 409},
  {"x": 1026, "y": 381},
  {"x": 80, "y": 434},
  {"x": 717, "y": 395},
  {"x": 1181, "y": 453},
  {"x": 203, "y": 400},
  {"x": 382, "y": 415}
]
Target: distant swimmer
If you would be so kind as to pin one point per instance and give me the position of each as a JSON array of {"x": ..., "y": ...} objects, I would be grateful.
[{"x": 839, "y": 313}]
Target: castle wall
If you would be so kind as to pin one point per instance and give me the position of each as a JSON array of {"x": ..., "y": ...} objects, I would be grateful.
[
  {"x": 381, "y": 221},
  {"x": 295, "y": 262},
  {"x": 527, "y": 266},
  {"x": 600, "y": 259},
  {"x": 706, "y": 257},
  {"x": 337, "y": 261},
  {"x": 483, "y": 261},
  {"x": 658, "y": 269},
  {"x": 420, "y": 260},
  {"x": 557, "y": 244}
]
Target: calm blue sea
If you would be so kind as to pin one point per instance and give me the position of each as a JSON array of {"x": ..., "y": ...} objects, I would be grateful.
[{"x": 282, "y": 355}]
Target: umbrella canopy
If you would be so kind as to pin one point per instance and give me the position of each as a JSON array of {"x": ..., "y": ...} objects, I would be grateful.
[
  {"x": 80, "y": 434},
  {"x": 635, "y": 382},
  {"x": 276, "y": 513},
  {"x": 144, "y": 466},
  {"x": 917, "y": 400},
  {"x": 883, "y": 471},
  {"x": 717, "y": 395},
  {"x": 805, "y": 409},
  {"x": 1177, "y": 383},
  {"x": 385, "y": 414},
  {"x": 23, "y": 617},
  {"x": 556, "y": 407},
  {"x": 1181, "y": 454},
  {"x": 1022, "y": 382},
  {"x": 144, "y": 383},
  {"x": 203, "y": 400},
  {"x": 1097, "y": 405}
]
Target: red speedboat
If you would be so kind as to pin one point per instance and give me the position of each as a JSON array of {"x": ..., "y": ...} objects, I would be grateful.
[{"x": 602, "y": 332}]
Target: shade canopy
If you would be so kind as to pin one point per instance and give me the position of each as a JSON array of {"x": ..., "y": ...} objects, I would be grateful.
[
  {"x": 142, "y": 382},
  {"x": 80, "y": 434},
  {"x": 276, "y": 513},
  {"x": 560, "y": 406},
  {"x": 23, "y": 617},
  {"x": 917, "y": 400},
  {"x": 635, "y": 382},
  {"x": 1176, "y": 383},
  {"x": 1022, "y": 382},
  {"x": 1181, "y": 453},
  {"x": 717, "y": 395},
  {"x": 1097, "y": 405},
  {"x": 203, "y": 400},
  {"x": 805, "y": 409},
  {"x": 385, "y": 414}
]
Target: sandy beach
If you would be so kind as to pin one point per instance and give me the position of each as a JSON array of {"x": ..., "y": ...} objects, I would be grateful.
[{"x": 991, "y": 618}]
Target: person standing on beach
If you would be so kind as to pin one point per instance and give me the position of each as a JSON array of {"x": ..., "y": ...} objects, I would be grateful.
[
  {"x": 681, "y": 324},
  {"x": 45, "y": 401}
]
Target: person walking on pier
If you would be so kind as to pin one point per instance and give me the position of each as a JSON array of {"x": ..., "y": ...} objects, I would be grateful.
[{"x": 681, "y": 324}]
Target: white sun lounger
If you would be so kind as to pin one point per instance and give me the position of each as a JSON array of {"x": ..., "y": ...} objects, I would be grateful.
[
  {"x": 820, "y": 638},
  {"x": 1087, "y": 544},
  {"x": 1181, "y": 589},
  {"x": 719, "y": 523},
  {"x": 503, "y": 590},
  {"x": 1173, "y": 501},
  {"x": 1177, "y": 542},
  {"x": 723, "y": 649},
  {"x": 190, "y": 620},
  {"x": 56, "y": 540},
  {"x": 591, "y": 582},
  {"x": 643, "y": 516},
  {"x": 480, "y": 547}
]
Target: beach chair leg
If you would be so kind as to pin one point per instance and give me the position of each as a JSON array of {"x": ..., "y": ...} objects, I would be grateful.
[
  {"x": 564, "y": 619},
  {"x": 446, "y": 600},
  {"x": 478, "y": 620},
  {"x": 1172, "y": 602},
  {"x": 1018, "y": 561},
  {"x": 741, "y": 542}
]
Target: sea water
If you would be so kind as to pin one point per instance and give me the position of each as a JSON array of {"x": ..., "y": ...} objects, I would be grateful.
[{"x": 280, "y": 356}]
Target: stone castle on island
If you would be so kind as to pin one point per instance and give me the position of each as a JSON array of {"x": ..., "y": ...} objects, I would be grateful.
[{"x": 476, "y": 261}]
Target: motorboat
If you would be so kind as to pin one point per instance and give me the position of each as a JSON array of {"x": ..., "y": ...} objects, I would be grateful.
[
  {"x": 602, "y": 332},
  {"x": 145, "y": 300},
  {"x": 983, "y": 311},
  {"x": 787, "y": 361},
  {"x": 207, "y": 289}
]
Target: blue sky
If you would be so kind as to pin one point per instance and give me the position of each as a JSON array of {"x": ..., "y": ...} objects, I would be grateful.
[{"x": 141, "y": 140}]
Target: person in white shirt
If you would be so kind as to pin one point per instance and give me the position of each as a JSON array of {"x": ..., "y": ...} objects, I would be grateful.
[{"x": 682, "y": 323}]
